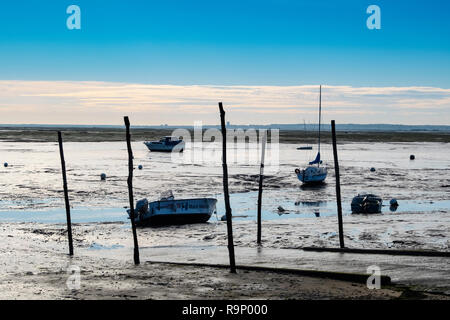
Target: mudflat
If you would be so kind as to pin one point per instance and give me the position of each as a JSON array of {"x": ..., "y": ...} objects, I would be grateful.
[
  {"x": 35, "y": 265},
  {"x": 96, "y": 134}
]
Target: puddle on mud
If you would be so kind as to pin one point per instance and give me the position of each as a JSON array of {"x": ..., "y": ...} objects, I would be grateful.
[{"x": 243, "y": 208}]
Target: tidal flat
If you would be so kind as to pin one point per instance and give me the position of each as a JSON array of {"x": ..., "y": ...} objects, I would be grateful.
[{"x": 32, "y": 209}]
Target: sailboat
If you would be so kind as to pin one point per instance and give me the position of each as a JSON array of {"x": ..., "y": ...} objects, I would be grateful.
[
  {"x": 314, "y": 173},
  {"x": 304, "y": 147}
]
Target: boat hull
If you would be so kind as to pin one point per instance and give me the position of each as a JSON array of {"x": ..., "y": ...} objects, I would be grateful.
[
  {"x": 175, "y": 212},
  {"x": 312, "y": 175},
  {"x": 366, "y": 203},
  {"x": 174, "y": 219},
  {"x": 161, "y": 147}
]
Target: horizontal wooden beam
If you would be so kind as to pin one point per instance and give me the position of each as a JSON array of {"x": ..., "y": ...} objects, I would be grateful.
[{"x": 424, "y": 253}]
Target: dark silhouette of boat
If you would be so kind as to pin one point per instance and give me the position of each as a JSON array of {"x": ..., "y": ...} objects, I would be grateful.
[{"x": 366, "y": 203}]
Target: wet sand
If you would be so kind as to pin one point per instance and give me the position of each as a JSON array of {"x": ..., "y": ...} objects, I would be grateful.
[
  {"x": 33, "y": 255},
  {"x": 34, "y": 266},
  {"x": 28, "y": 134}
]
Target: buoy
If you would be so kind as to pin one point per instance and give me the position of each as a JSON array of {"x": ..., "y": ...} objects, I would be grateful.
[
  {"x": 317, "y": 214},
  {"x": 5, "y": 164},
  {"x": 412, "y": 157},
  {"x": 140, "y": 167},
  {"x": 103, "y": 176},
  {"x": 223, "y": 218},
  {"x": 372, "y": 169},
  {"x": 393, "y": 202}
]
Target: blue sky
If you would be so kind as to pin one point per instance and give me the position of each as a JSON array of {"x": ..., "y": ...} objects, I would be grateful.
[{"x": 228, "y": 43}]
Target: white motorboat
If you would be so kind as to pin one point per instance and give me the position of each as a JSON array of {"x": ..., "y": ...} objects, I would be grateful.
[
  {"x": 166, "y": 144},
  {"x": 168, "y": 211}
]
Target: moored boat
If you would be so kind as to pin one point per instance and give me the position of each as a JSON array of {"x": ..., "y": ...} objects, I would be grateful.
[
  {"x": 166, "y": 144},
  {"x": 366, "y": 203},
  {"x": 314, "y": 173},
  {"x": 168, "y": 211}
]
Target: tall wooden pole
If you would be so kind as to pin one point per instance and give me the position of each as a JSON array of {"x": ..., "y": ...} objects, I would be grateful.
[
  {"x": 338, "y": 185},
  {"x": 130, "y": 190},
  {"x": 261, "y": 177},
  {"x": 320, "y": 115},
  {"x": 225, "y": 190},
  {"x": 66, "y": 193}
]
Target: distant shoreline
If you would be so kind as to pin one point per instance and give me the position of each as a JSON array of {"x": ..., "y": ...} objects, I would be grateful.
[
  {"x": 103, "y": 134},
  {"x": 282, "y": 127}
]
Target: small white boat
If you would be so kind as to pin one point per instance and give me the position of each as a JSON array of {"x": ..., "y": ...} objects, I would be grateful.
[
  {"x": 168, "y": 211},
  {"x": 314, "y": 173},
  {"x": 166, "y": 144}
]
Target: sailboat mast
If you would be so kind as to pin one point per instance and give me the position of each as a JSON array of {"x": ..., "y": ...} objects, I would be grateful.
[{"x": 320, "y": 111}]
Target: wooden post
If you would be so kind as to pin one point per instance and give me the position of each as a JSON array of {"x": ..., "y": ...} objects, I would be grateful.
[
  {"x": 338, "y": 185},
  {"x": 130, "y": 190},
  {"x": 66, "y": 193},
  {"x": 261, "y": 177},
  {"x": 225, "y": 190}
]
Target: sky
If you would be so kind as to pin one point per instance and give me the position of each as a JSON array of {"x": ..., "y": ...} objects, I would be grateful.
[{"x": 172, "y": 61}]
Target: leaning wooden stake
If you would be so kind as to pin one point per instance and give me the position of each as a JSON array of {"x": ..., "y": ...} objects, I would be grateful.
[
  {"x": 66, "y": 193},
  {"x": 225, "y": 190},
  {"x": 338, "y": 185},
  {"x": 261, "y": 177},
  {"x": 130, "y": 190}
]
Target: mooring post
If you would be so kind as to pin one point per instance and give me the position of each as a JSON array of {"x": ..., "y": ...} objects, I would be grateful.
[
  {"x": 225, "y": 190},
  {"x": 130, "y": 190},
  {"x": 261, "y": 177},
  {"x": 66, "y": 193},
  {"x": 338, "y": 185}
]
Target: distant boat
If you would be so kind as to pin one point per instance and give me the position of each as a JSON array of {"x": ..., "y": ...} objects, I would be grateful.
[
  {"x": 305, "y": 147},
  {"x": 313, "y": 174},
  {"x": 168, "y": 211},
  {"x": 166, "y": 144},
  {"x": 366, "y": 203}
]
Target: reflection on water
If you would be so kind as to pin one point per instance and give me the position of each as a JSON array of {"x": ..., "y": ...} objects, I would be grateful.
[
  {"x": 244, "y": 208},
  {"x": 316, "y": 186},
  {"x": 393, "y": 208},
  {"x": 32, "y": 181},
  {"x": 311, "y": 203}
]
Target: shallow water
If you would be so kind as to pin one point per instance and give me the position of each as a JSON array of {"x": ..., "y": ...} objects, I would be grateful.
[
  {"x": 32, "y": 181},
  {"x": 243, "y": 207},
  {"x": 31, "y": 190}
]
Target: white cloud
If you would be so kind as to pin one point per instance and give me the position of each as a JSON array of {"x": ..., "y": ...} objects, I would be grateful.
[{"x": 106, "y": 102}]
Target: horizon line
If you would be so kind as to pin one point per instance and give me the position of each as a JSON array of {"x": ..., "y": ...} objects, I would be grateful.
[{"x": 6, "y": 125}]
